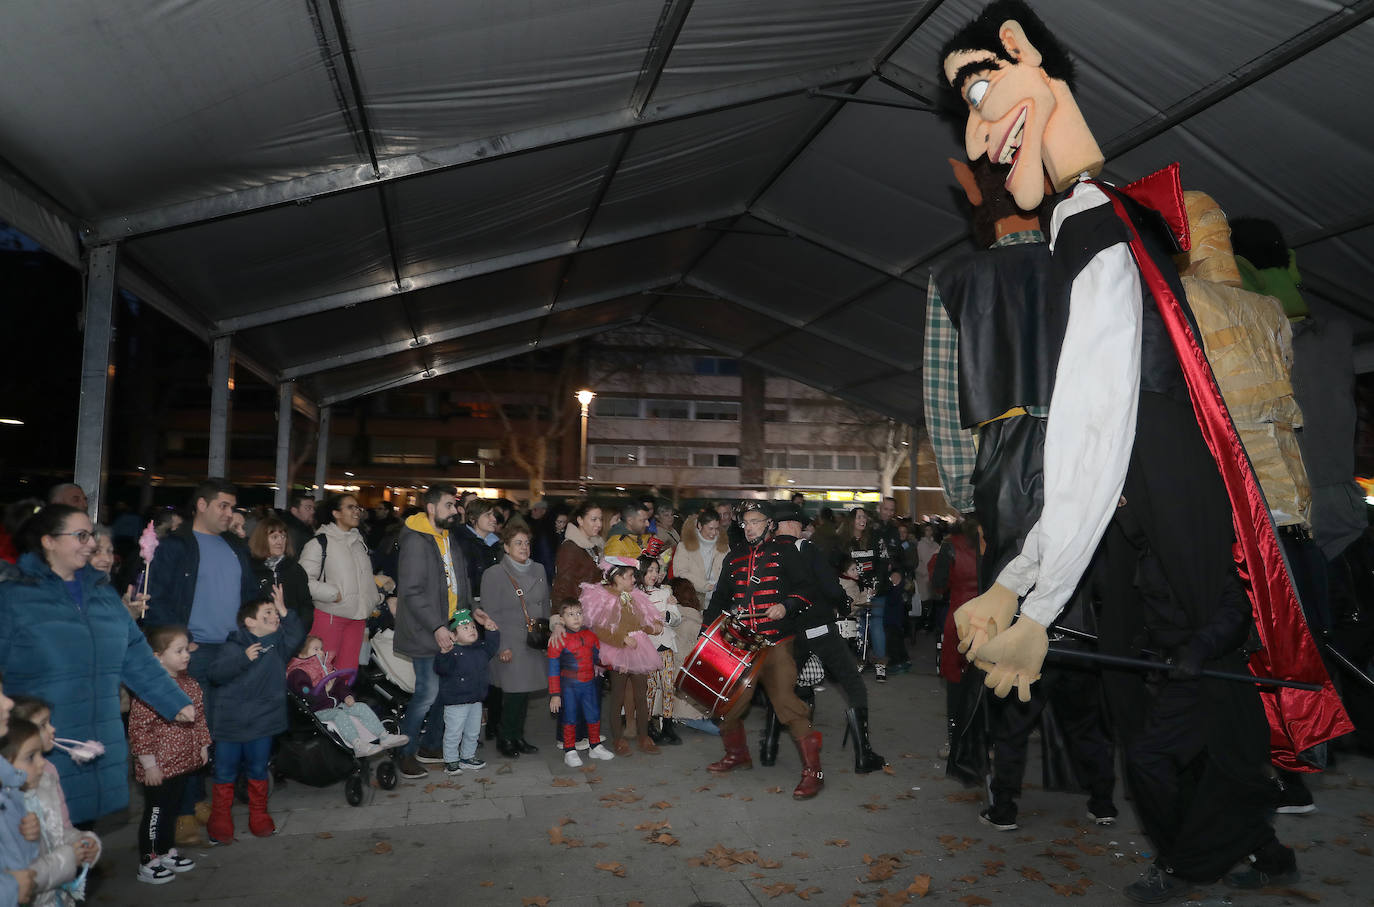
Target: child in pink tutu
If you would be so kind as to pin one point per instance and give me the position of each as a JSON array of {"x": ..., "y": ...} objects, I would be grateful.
[{"x": 623, "y": 619}]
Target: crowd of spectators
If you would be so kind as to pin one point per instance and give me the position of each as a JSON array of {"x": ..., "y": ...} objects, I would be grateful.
[{"x": 234, "y": 597}]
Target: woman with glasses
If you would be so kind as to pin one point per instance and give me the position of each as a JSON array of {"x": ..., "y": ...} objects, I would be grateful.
[
  {"x": 339, "y": 569},
  {"x": 65, "y": 637}
]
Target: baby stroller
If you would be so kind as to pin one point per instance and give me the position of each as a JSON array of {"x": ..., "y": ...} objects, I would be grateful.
[
  {"x": 386, "y": 682},
  {"x": 312, "y": 753}
]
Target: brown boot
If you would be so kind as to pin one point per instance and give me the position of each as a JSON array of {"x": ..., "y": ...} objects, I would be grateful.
[
  {"x": 736, "y": 751},
  {"x": 203, "y": 811},
  {"x": 622, "y": 747},
  {"x": 647, "y": 745},
  {"x": 812, "y": 779},
  {"x": 188, "y": 832}
]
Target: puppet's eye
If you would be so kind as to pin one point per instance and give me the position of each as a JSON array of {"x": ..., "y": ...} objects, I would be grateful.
[{"x": 976, "y": 91}]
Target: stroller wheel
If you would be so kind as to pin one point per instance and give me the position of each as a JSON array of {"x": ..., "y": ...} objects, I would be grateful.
[
  {"x": 386, "y": 774},
  {"x": 353, "y": 790}
]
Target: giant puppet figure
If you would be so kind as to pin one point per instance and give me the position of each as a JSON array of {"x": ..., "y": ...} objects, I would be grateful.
[{"x": 1138, "y": 433}]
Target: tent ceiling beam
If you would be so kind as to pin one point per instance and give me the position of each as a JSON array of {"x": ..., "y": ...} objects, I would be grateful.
[
  {"x": 346, "y": 298},
  {"x": 303, "y": 189},
  {"x": 458, "y": 365},
  {"x": 875, "y": 102},
  {"x": 797, "y": 323},
  {"x": 670, "y": 23},
  {"x": 820, "y": 240},
  {"x": 1242, "y": 77},
  {"x": 514, "y": 312}
]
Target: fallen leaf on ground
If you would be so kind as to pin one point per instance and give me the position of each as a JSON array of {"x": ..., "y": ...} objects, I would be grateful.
[
  {"x": 556, "y": 835},
  {"x": 381, "y": 847},
  {"x": 614, "y": 869},
  {"x": 505, "y": 769},
  {"x": 874, "y": 807},
  {"x": 889, "y": 770},
  {"x": 567, "y": 820},
  {"x": 967, "y": 880},
  {"x": 323, "y": 834},
  {"x": 920, "y": 886},
  {"x": 664, "y": 838},
  {"x": 992, "y": 867},
  {"x": 702, "y": 788},
  {"x": 486, "y": 780},
  {"x": 805, "y": 893},
  {"x": 837, "y": 842},
  {"x": 774, "y": 790},
  {"x": 747, "y": 799},
  {"x": 801, "y": 854},
  {"x": 965, "y": 796},
  {"x": 564, "y": 782},
  {"x": 487, "y": 883},
  {"x": 778, "y": 890},
  {"x": 770, "y": 864},
  {"x": 1031, "y": 873},
  {"x": 536, "y": 901},
  {"x": 355, "y": 899},
  {"x": 599, "y": 844},
  {"x": 653, "y": 826},
  {"x": 661, "y": 804}
]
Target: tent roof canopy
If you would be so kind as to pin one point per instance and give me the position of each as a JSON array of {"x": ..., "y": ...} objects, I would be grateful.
[{"x": 366, "y": 193}]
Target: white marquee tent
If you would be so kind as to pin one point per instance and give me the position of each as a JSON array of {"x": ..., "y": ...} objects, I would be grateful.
[{"x": 351, "y": 195}]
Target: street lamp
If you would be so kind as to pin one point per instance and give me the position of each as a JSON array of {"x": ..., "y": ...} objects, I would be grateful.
[{"x": 585, "y": 398}]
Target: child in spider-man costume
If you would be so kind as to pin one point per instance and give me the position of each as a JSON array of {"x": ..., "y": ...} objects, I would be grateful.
[{"x": 573, "y": 684}]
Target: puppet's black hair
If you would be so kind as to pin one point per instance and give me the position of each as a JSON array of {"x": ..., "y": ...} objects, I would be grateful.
[{"x": 982, "y": 34}]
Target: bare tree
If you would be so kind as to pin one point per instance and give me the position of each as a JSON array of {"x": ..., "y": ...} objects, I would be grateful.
[
  {"x": 886, "y": 437},
  {"x": 527, "y": 440}
]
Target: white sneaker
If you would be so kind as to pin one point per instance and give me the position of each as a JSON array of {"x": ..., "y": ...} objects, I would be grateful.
[
  {"x": 572, "y": 760},
  {"x": 363, "y": 750},
  {"x": 154, "y": 873},
  {"x": 176, "y": 862},
  {"x": 391, "y": 741},
  {"x": 600, "y": 752},
  {"x": 584, "y": 744}
]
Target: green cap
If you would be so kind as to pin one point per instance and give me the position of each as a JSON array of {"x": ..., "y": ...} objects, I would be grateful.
[{"x": 461, "y": 617}]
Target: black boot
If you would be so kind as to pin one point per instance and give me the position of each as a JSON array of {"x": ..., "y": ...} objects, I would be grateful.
[
  {"x": 656, "y": 730},
  {"x": 768, "y": 740},
  {"x": 508, "y": 748},
  {"x": 670, "y": 736},
  {"x": 865, "y": 760}
]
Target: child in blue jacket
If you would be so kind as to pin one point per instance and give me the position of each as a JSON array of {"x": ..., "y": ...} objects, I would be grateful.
[
  {"x": 464, "y": 679},
  {"x": 249, "y": 678}
]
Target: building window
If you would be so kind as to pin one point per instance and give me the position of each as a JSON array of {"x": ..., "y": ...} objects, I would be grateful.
[
  {"x": 720, "y": 412},
  {"x": 611, "y": 455},
  {"x": 615, "y": 407},
  {"x": 822, "y": 461},
  {"x": 667, "y": 409},
  {"x": 775, "y": 414},
  {"x": 798, "y": 461},
  {"x": 715, "y": 365},
  {"x": 775, "y": 459},
  {"x": 711, "y": 458},
  {"x": 868, "y": 461},
  {"x": 666, "y": 456},
  {"x": 846, "y": 461},
  {"x": 404, "y": 451}
]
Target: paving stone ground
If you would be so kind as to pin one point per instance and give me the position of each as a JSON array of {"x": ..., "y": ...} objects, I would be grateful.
[{"x": 660, "y": 830}]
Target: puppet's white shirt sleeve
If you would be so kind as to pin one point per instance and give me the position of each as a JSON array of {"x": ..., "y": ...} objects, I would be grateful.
[{"x": 1091, "y": 425}]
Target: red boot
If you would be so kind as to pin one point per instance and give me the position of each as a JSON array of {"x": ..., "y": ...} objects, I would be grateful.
[
  {"x": 736, "y": 751},
  {"x": 259, "y": 822},
  {"x": 220, "y": 826},
  {"x": 812, "y": 779}
]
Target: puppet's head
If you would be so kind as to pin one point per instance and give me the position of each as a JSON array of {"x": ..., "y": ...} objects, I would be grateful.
[
  {"x": 1013, "y": 77},
  {"x": 994, "y": 210},
  {"x": 1266, "y": 263}
]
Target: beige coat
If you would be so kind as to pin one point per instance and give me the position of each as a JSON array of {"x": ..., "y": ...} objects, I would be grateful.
[
  {"x": 688, "y": 562},
  {"x": 347, "y": 588}
]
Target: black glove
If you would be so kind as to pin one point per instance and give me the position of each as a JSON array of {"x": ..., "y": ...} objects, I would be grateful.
[{"x": 1185, "y": 662}]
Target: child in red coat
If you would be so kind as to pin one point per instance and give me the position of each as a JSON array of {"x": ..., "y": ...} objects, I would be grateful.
[{"x": 166, "y": 753}]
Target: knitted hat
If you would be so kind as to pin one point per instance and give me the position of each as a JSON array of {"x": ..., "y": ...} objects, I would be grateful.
[{"x": 463, "y": 616}]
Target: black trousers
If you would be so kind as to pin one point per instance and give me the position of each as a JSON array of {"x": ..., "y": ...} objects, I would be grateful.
[
  {"x": 161, "y": 803},
  {"x": 838, "y": 660},
  {"x": 1198, "y": 765},
  {"x": 1075, "y": 698}
]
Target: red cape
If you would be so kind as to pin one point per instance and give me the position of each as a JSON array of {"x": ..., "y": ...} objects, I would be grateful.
[{"x": 1298, "y": 719}]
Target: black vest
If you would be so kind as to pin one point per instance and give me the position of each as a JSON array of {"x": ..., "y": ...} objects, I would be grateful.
[{"x": 1010, "y": 325}]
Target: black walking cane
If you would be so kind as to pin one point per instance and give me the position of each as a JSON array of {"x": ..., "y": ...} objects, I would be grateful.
[{"x": 1142, "y": 664}]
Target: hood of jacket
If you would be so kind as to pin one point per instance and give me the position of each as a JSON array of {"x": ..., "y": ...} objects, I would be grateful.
[
  {"x": 420, "y": 522},
  {"x": 34, "y": 568},
  {"x": 691, "y": 539},
  {"x": 582, "y": 540}
]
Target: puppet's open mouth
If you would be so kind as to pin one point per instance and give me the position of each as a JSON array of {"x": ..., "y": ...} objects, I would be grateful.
[{"x": 1011, "y": 142}]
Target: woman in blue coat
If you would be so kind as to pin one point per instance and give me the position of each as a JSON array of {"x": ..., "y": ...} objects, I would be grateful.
[{"x": 66, "y": 637}]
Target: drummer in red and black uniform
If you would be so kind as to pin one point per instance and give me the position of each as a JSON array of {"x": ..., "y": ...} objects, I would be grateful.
[{"x": 765, "y": 585}]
